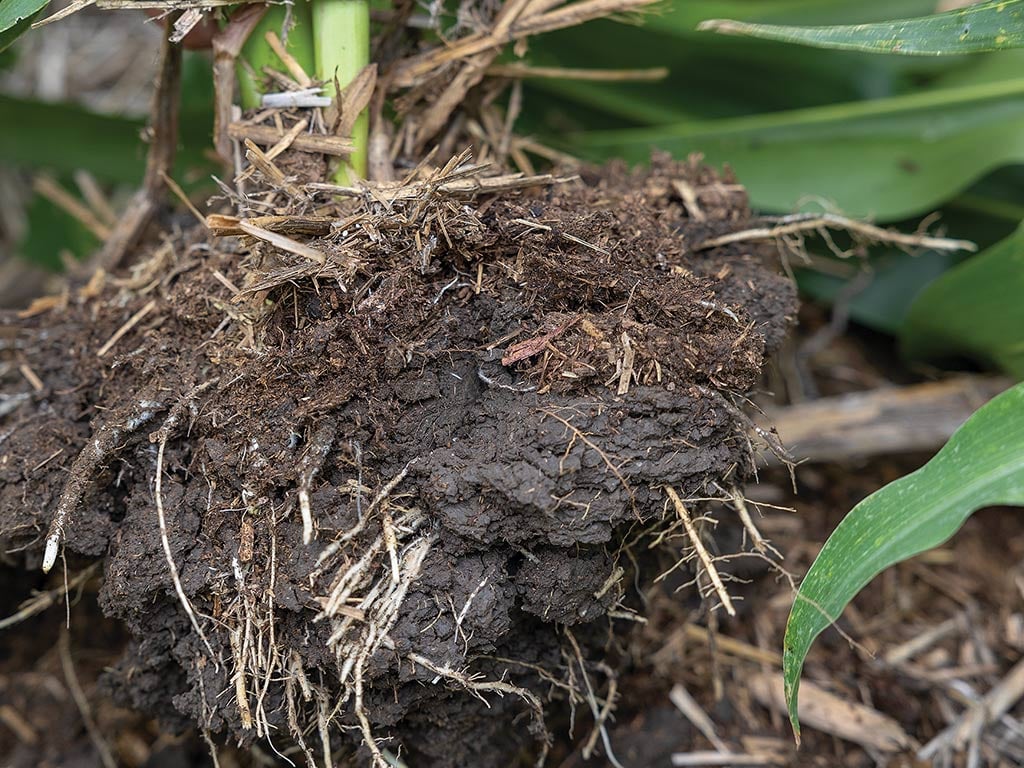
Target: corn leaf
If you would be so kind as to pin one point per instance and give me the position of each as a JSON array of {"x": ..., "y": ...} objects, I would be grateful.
[
  {"x": 974, "y": 310},
  {"x": 989, "y": 26},
  {"x": 65, "y": 137},
  {"x": 982, "y": 465},
  {"x": 889, "y": 158},
  {"x": 16, "y": 17},
  {"x": 68, "y": 137}
]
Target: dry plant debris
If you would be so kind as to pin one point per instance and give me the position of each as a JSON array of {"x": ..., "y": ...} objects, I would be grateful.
[
  {"x": 407, "y": 430},
  {"x": 372, "y": 468}
]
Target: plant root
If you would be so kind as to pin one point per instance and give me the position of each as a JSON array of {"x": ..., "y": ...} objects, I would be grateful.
[
  {"x": 101, "y": 448},
  {"x": 160, "y": 437}
]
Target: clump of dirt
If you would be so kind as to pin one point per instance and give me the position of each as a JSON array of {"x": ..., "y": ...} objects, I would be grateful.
[{"x": 395, "y": 469}]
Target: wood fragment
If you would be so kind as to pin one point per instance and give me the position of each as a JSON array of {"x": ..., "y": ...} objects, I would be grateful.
[
  {"x": 461, "y": 188},
  {"x": 185, "y": 24},
  {"x": 159, "y": 159},
  {"x": 287, "y": 59},
  {"x": 286, "y": 141},
  {"x": 30, "y": 376},
  {"x": 336, "y": 146},
  {"x": 692, "y": 711},
  {"x": 274, "y": 176},
  {"x": 626, "y": 374},
  {"x": 18, "y": 725},
  {"x": 312, "y": 226},
  {"x": 534, "y": 346},
  {"x": 130, "y": 323},
  {"x": 355, "y": 98},
  {"x": 831, "y": 714},
  {"x": 60, "y": 197},
  {"x": 893, "y": 420},
  {"x": 283, "y": 242},
  {"x": 227, "y": 46}
]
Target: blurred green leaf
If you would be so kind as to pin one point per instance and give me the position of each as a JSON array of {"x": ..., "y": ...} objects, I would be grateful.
[
  {"x": 65, "y": 138},
  {"x": 787, "y": 77},
  {"x": 884, "y": 302},
  {"x": 989, "y": 26},
  {"x": 685, "y": 16},
  {"x": 50, "y": 231},
  {"x": 974, "y": 310},
  {"x": 982, "y": 465},
  {"x": 887, "y": 158},
  {"x": 16, "y": 17}
]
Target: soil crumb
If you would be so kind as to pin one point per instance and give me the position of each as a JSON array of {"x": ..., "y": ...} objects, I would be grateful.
[{"x": 406, "y": 476}]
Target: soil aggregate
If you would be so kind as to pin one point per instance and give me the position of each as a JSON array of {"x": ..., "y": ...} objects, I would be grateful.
[{"x": 479, "y": 402}]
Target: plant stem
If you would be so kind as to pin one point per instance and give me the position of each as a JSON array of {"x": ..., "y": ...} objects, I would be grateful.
[
  {"x": 342, "y": 46},
  {"x": 258, "y": 54}
]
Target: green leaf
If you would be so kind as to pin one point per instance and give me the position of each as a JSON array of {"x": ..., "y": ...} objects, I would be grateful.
[
  {"x": 257, "y": 54},
  {"x": 66, "y": 138},
  {"x": 974, "y": 310},
  {"x": 982, "y": 465},
  {"x": 884, "y": 302},
  {"x": 50, "y": 231},
  {"x": 687, "y": 15},
  {"x": 989, "y": 26},
  {"x": 16, "y": 17},
  {"x": 889, "y": 158}
]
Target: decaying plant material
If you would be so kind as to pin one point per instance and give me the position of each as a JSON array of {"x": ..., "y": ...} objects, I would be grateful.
[{"x": 372, "y": 467}]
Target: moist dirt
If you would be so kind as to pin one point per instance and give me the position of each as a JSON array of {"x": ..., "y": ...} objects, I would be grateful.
[{"x": 411, "y": 498}]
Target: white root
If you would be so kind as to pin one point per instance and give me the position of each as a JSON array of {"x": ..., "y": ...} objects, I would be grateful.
[
  {"x": 168, "y": 555},
  {"x": 319, "y": 446},
  {"x": 106, "y": 441},
  {"x": 160, "y": 437}
]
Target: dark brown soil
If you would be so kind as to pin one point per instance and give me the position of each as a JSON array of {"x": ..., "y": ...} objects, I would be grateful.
[{"x": 474, "y": 478}]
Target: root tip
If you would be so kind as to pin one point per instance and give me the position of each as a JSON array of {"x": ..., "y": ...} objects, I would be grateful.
[{"x": 50, "y": 554}]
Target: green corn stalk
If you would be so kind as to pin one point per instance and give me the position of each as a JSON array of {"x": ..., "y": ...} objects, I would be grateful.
[
  {"x": 257, "y": 54},
  {"x": 331, "y": 40},
  {"x": 341, "y": 31}
]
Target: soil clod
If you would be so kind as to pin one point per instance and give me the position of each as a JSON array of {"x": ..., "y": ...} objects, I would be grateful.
[{"x": 409, "y": 433}]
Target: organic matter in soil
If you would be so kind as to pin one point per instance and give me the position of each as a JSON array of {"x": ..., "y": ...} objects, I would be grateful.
[{"x": 392, "y": 492}]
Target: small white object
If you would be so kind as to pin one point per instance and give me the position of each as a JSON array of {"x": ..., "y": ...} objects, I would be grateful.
[
  {"x": 50, "y": 555},
  {"x": 307, "y": 98}
]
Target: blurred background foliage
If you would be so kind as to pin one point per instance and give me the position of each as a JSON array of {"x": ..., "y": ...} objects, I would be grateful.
[{"x": 886, "y": 137}]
